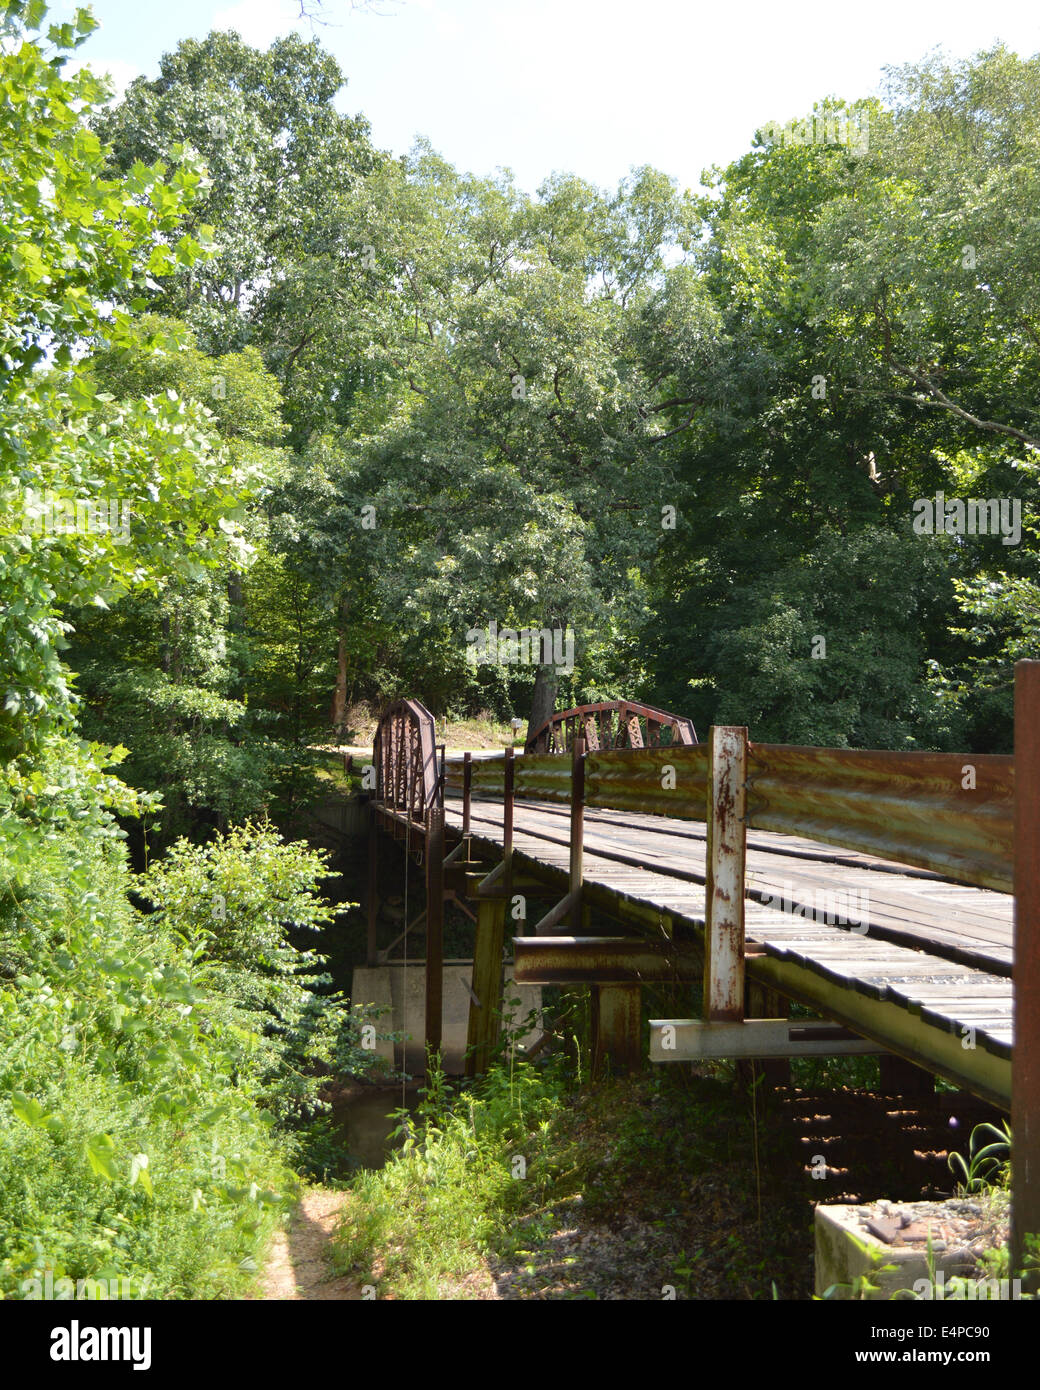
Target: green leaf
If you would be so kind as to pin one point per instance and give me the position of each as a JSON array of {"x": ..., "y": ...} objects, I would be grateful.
[
  {"x": 28, "y": 1109},
  {"x": 101, "y": 1153},
  {"x": 139, "y": 1172}
]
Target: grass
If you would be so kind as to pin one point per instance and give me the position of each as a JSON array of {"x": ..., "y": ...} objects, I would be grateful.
[
  {"x": 489, "y": 1175},
  {"x": 471, "y": 1166}
]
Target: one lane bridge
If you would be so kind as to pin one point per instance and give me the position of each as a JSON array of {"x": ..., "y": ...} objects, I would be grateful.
[{"x": 895, "y": 894}]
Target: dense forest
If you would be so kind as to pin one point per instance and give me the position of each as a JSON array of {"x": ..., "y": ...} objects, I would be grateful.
[{"x": 283, "y": 418}]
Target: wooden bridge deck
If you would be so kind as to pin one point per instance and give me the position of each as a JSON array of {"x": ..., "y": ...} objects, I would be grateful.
[
  {"x": 900, "y": 918},
  {"x": 928, "y": 979}
]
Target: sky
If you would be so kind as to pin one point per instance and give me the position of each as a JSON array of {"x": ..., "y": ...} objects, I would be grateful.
[{"x": 593, "y": 87}]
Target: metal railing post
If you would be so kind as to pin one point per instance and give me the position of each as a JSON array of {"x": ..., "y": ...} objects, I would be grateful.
[
  {"x": 434, "y": 926},
  {"x": 577, "y": 835},
  {"x": 508, "y": 774},
  {"x": 1025, "y": 1054},
  {"x": 724, "y": 887},
  {"x": 372, "y": 906}
]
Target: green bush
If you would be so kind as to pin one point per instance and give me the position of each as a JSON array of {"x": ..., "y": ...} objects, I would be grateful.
[
  {"x": 453, "y": 1192},
  {"x": 231, "y": 904},
  {"x": 144, "y": 1059}
]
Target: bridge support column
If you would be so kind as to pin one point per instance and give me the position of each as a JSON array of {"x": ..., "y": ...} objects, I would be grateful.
[
  {"x": 617, "y": 1017},
  {"x": 763, "y": 1002},
  {"x": 372, "y": 950},
  {"x": 434, "y": 927},
  {"x": 484, "y": 1008}
]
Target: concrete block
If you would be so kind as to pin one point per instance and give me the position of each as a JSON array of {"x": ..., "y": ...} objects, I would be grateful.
[
  {"x": 371, "y": 986},
  {"x": 847, "y": 1247},
  {"x": 405, "y": 988}
]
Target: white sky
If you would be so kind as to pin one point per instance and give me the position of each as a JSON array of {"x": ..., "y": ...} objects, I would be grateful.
[{"x": 590, "y": 86}]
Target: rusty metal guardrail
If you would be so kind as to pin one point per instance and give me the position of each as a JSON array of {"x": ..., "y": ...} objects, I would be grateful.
[
  {"x": 949, "y": 812},
  {"x": 952, "y": 813},
  {"x": 655, "y": 781},
  {"x": 611, "y": 724},
  {"x": 537, "y": 777},
  {"x": 404, "y": 752}
]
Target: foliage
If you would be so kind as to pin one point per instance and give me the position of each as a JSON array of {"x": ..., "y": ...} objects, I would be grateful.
[
  {"x": 133, "y": 1145},
  {"x": 139, "y": 1078},
  {"x": 235, "y": 903},
  {"x": 988, "y": 1164},
  {"x": 78, "y": 249},
  {"x": 454, "y": 1191}
]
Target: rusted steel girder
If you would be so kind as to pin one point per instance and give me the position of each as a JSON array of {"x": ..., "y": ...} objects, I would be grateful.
[
  {"x": 949, "y": 812},
  {"x": 1025, "y": 1056},
  {"x": 404, "y": 751},
  {"x": 576, "y": 960},
  {"x": 616, "y": 968},
  {"x": 611, "y": 724}
]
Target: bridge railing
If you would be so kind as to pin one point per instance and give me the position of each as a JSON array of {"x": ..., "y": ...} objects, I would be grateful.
[
  {"x": 404, "y": 753},
  {"x": 952, "y": 813},
  {"x": 949, "y": 812},
  {"x": 611, "y": 724}
]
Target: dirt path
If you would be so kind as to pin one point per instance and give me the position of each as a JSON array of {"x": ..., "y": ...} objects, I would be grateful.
[{"x": 298, "y": 1264}]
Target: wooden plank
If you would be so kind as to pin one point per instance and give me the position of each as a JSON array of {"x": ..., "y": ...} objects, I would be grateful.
[
  {"x": 936, "y": 949},
  {"x": 979, "y": 936}
]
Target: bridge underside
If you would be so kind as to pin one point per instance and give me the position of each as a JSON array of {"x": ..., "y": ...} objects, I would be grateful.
[{"x": 926, "y": 977}]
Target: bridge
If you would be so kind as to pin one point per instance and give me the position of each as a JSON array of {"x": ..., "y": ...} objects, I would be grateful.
[{"x": 895, "y": 894}]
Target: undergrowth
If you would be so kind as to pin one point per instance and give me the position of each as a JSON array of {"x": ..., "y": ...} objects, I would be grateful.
[{"x": 473, "y": 1161}]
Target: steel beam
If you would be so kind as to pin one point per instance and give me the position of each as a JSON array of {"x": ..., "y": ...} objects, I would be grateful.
[
  {"x": 582, "y": 960},
  {"x": 691, "y": 1040},
  {"x": 1025, "y": 1066}
]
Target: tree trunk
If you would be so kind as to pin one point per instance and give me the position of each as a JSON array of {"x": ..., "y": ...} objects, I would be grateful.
[
  {"x": 543, "y": 699},
  {"x": 236, "y": 626},
  {"x": 236, "y": 602},
  {"x": 339, "y": 698}
]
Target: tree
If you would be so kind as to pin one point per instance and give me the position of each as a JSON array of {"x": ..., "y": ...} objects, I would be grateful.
[
  {"x": 547, "y": 359},
  {"x": 278, "y": 156},
  {"x": 801, "y": 247},
  {"x": 166, "y": 672},
  {"x": 77, "y": 252}
]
